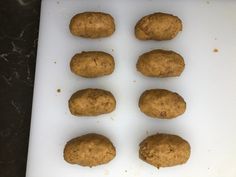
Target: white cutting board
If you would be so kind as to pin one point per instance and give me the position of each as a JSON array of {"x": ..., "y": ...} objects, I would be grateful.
[{"x": 208, "y": 85}]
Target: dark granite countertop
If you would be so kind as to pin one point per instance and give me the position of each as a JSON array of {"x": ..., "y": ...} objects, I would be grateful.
[{"x": 19, "y": 21}]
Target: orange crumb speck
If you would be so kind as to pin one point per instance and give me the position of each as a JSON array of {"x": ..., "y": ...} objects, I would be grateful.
[{"x": 215, "y": 50}]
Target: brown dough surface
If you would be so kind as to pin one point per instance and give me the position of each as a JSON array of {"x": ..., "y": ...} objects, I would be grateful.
[
  {"x": 89, "y": 150},
  {"x": 158, "y": 26},
  {"x": 92, "y": 25},
  {"x": 164, "y": 150},
  {"x": 160, "y": 103},
  {"x": 91, "y": 102},
  {"x": 160, "y": 63},
  {"x": 92, "y": 64}
]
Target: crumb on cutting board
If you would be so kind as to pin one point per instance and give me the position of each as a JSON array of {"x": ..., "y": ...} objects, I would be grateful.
[
  {"x": 55, "y": 62},
  {"x": 216, "y": 50},
  {"x": 58, "y": 90},
  {"x": 134, "y": 81}
]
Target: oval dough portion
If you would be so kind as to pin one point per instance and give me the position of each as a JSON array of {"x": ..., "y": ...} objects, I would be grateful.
[
  {"x": 91, "y": 102},
  {"x": 160, "y": 63},
  {"x": 164, "y": 150},
  {"x": 92, "y": 25},
  {"x": 163, "y": 104},
  {"x": 92, "y": 64},
  {"x": 158, "y": 26},
  {"x": 89, "y": 150}
]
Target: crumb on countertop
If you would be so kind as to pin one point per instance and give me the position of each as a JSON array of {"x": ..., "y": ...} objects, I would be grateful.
[
  {"x": 208, "y": 2},
  {"x": 216, "y": 50},
  {"x": 134, "y": 81},
  {"x": 58, "y": 90},
  {"x": 112, "y": 50},
  {"x": 126, "y": 171},
  {"x": 55, "y": 62}
]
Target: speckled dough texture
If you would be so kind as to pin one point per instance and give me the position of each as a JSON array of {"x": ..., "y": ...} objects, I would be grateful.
[
  {"x": 158, "y": 26},
  {"x": 92, "y": 25},
  {"x": 164, "y": 150},
  {"x": 91, "y": 102},
  {"x": 92, "y": 64},
  {"x": 160, "y": 63},
  {"x": 160, "y": 103},
  {"x": 89, "y": 150}
]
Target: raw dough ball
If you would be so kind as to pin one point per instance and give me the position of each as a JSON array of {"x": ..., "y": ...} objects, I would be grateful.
[
  {"x": 160, "y": 63},
  {"x": 91, "y": 102},
  {"x": 92, "y": 64},
  {"x": 89, "y": 150},
  {"x": 164, "y": 150},
  {"x": 160, "y": 103},
  {"x": 158, "y": 26},
  {"x": 92, "y": 25}
]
